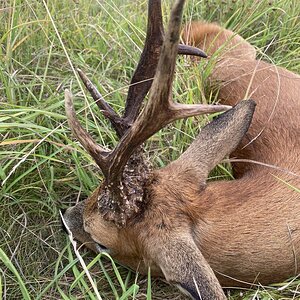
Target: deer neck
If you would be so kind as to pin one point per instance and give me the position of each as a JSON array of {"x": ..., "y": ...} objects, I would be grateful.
[
  {"x": 270, "y": 138},
  {"x": 242, "y": 224}
]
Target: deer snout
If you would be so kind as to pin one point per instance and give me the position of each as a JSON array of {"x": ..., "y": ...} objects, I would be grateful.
[{"x": 73, "y": 222}]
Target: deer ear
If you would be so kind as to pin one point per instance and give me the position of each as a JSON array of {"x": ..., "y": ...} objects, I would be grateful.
[
  {"x": 217, "y": 139},
  {"x": 183, "y": 265}
]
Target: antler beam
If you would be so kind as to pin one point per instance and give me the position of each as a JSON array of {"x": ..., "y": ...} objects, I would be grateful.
[
  {"x": 118, "y": 123},
  {"x": 97, "y": 152}
]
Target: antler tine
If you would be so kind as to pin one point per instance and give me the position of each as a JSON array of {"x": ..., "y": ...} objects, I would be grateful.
[
  {"x": 117, "y": 122},
  {"x": 98, "y": 153},
  {"x": 190, "y": 50}
]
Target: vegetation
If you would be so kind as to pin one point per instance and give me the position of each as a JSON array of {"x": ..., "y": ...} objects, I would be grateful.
[{"x": 43, "y": 169}]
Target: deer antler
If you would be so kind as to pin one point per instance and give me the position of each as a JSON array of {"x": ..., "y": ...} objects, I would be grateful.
[{"x": 124, "y": 168}]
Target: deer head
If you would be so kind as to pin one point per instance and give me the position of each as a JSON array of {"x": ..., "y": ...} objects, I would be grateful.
[{"x": 144, "y": 217}]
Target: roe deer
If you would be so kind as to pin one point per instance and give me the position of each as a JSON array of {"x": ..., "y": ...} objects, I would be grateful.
[{"x": 171, "y": 220}]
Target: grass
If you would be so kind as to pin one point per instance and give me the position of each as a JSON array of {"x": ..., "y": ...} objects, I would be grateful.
[{"x": 43, "y": 169}]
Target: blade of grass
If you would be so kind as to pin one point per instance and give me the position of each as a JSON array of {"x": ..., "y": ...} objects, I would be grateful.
[
  {"x": 7, "y": 262},
  {"x": 74, "y": 244}
]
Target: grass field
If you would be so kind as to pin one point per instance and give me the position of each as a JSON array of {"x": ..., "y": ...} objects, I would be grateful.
[{"x": 44, "y": 169}]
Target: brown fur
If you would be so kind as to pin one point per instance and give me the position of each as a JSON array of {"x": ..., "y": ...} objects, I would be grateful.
[
  {"x": 260, "y": 227},
  {"x": 246, "y": 230}
]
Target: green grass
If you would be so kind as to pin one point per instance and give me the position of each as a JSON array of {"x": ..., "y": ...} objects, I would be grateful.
[{"x": 43, "y": 169}]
